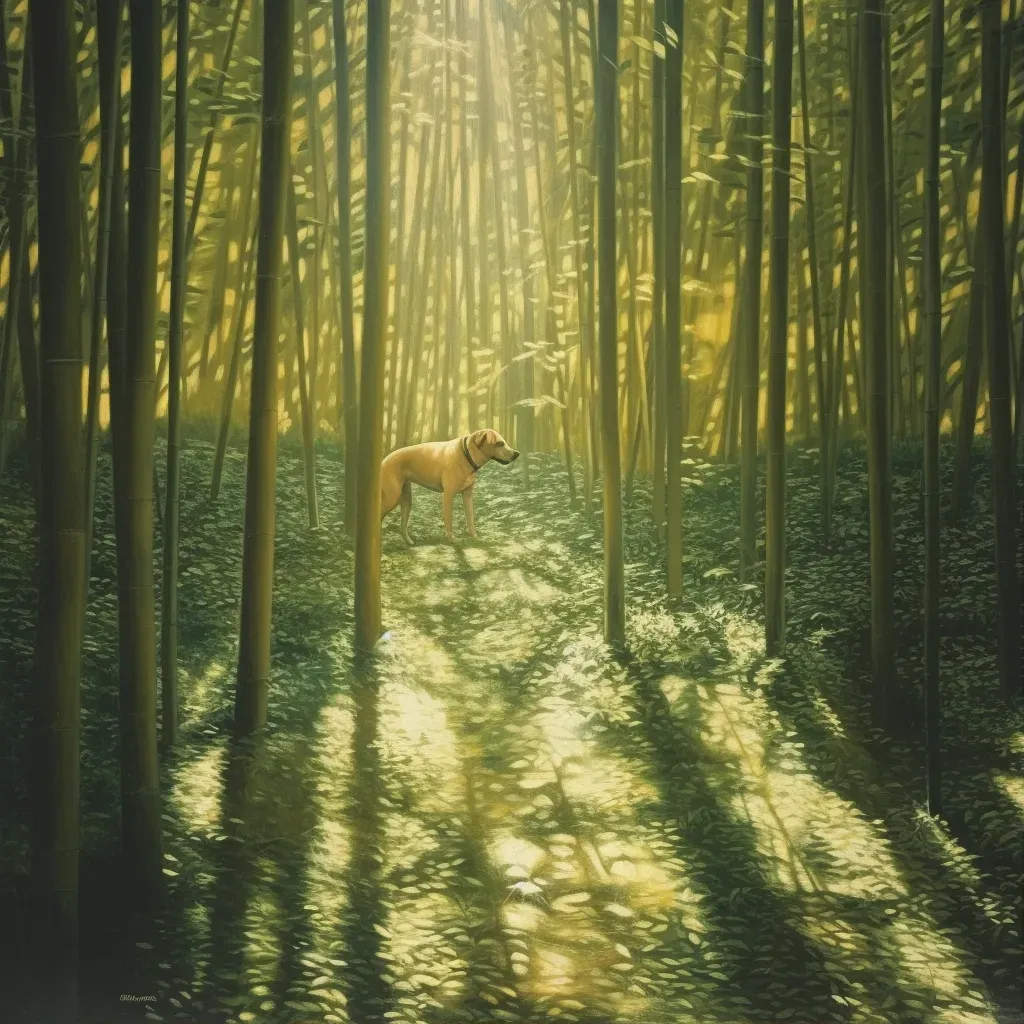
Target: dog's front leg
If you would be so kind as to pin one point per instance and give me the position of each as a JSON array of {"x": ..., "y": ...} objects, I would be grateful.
[
  {"x": 467, "y": 501},
  {"x": 448, "y": 501}
]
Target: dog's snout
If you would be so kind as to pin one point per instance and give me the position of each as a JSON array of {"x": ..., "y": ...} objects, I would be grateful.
[{"x": 515, "y": 455}]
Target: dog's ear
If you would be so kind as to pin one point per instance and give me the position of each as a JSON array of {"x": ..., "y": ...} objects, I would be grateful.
[
  {"x": 493, "y": 437},
  {"x": 479, "y": 438}
]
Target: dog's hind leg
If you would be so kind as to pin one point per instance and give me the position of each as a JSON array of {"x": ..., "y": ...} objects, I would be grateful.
[
  {"x": 467, "y": 501},
  {"x": 406, "y": 501},
  {"x": 449, "y": 499},
  {"x": 390, "y": 493}
]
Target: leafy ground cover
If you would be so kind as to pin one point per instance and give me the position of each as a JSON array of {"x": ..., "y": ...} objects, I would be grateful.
[{"x": 500, "y": 820}]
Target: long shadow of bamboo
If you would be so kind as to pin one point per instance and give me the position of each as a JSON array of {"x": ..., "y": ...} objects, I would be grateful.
[
  {"x": 370, "y": 995},
  {"x": 289, "y": 851},
  {"x": 721, "y": 850},
  {"x": 238, "y": 859},
  {"x": 236, "y": 856},
  {"x": 278, "y": 814},
  {"x": 267, "y": 816},
  {"x": 916, "y": 852},
  {"x": 883, "y": 974},
  {"x": 234, "y": 862},
  {"x": 489, "y": 961}
]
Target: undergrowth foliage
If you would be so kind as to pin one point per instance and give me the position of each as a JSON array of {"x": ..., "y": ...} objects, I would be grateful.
[{"x": 498, "y": 818}]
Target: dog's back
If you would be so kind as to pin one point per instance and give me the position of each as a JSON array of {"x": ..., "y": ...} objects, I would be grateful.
[{"x": 421, "y": 464}]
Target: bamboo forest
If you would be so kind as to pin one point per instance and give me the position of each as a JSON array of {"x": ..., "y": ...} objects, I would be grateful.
[{"x": 511, "y": 511}]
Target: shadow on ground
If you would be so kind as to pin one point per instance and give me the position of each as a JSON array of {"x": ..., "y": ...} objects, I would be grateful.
[{"x": 498, "y": 820}]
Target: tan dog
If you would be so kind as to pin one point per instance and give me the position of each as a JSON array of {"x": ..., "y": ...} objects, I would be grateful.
[{"x": 446, "y": 466}]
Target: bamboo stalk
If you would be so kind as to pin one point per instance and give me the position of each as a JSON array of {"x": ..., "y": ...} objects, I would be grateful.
[
  {"x": 252, "y": 681},
  {"x": 932, "y": 336},
  {"x": 778, "y": 323},
  {"x": 375, "y": 314},
  {"x": 169, "y": 603},
  {"x": 751, "y": 315}
]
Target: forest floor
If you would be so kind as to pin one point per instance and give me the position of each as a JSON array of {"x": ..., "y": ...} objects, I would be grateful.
[{"x": 500, "y": 820}]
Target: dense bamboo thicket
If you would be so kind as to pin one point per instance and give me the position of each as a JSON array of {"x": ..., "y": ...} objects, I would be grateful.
[
  {"x": 520, "y": 104},
  {"x": 636, "y": 237}
]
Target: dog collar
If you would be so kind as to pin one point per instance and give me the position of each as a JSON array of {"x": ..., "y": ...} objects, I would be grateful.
[{"x": 469, "y": 458}]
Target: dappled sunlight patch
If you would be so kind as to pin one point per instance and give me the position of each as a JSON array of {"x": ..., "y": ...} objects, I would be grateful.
[
  {"x": 928, "y": 960},
  {"x": 522, "y": 917},
  {"x": 537, "y": 546},
  {"x": 332, "y": 749},
  {"x": 793, "y": 813},
  {"x": 329, "y": 859},
  {"x": 195, "y": 792},
  {"x": 582, "y": 876},
  {"x": 433, "y": 565},
  {"x": 961, "y": 865},
  {"x": 674, "y": 687},
  {"x": 330, "y": 848},
  {"x": 605, "y": 783},
  {"x": 413, "y": 657},
  {"x": 407, "y": 840},
  {"x": 611, "y": 921},
  {"x": 744, "y": 639},
  {"x": 441, "y": 592},
  {"x": 555, "y": 549},
  {"x": 1013, "y": 787},
  {"x": 778, "y": 831},
  {"x": 582, "y": 674},
  {"x": 433, "y": 556},
  {"x": 579, "y": 955},
  {"x": 734, "y": 723},
  {"x": 560, "y": 723},
  {"x": 573, "y": 963},
  {"x": 517, "y": 587},
  {"x": 822, "y": 849},
  {"x": 794, "y": 816},
  {"x": 517, "y": 857},
  {"x": 515, "y": 631},
  {"x": 555, "y": 973},
  {"x": 475, "y": 558},
  {"x": 419, "y": 951},
  {"x": 201, "y": 693},
  {"x": 418, "y": 746},
  {"x": 921, "y": 971},
  {"x": 653, "y": 634},
  {"x": 651, "y": 882},
  {"x": 459, "y": 694},
  {"x": 510, "y": 552}
]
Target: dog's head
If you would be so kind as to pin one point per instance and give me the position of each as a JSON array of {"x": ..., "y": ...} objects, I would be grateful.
[{"x": 493, "y": 446}]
